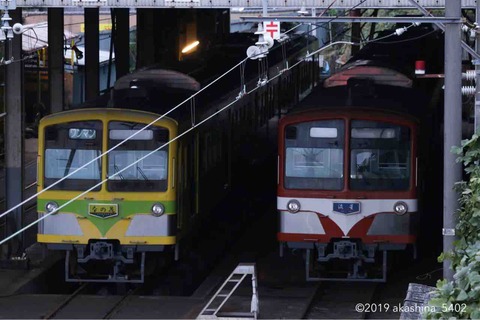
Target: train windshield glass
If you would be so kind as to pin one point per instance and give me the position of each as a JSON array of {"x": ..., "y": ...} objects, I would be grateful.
[
  {"x": 65, "y": 152},
  {"x": 148, "y": 174},
  {"x": 314, "y": 155},
  {"x": 380, "y": 156}
]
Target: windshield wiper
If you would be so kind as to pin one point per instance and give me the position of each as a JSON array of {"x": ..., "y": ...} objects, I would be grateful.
[
  {"x": 69, "y": 162},
  {"x": 142, "y": 173},
  {"x": 115, "y": 167}
]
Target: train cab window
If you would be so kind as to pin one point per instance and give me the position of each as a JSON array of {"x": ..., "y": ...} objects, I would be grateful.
[
  {"x": 148, "y": 174},
  {"x": 379, "y": 156},
  {"x": 314, "y": 155},
  {"x": 68, "y": 146}
]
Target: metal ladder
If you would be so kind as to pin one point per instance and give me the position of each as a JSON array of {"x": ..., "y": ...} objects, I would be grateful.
[{"x": 223, "y": 294}]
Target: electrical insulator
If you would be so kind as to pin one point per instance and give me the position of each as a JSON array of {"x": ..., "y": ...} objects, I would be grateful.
[
  {"x": 400, "y": 31},
  {"x": 468, "y": 90},
  {"x": 469, "y": 75}
]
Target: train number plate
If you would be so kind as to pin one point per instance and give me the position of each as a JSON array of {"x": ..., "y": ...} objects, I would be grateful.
[
  {"x": 103, "y": 210},
  {"x": 346, "y": 207}
]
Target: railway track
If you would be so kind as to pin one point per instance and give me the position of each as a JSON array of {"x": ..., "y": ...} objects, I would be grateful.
[
  {"x": 371, "y": 300},
  {"x": 65, "y": 302},
  {"x": 334, "y": 300},
  {"x": 79, "y": 300}
]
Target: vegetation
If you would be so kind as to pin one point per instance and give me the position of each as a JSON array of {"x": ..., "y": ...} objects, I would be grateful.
[{"x": 460, "y": 298}]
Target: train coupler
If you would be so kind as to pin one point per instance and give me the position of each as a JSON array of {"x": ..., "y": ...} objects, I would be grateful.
[
  {"x": 77, "y": 272},
  {"x": 349, "y": 254}
]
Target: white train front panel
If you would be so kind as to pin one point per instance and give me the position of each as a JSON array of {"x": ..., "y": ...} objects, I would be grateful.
[{"x": 371, "y": 220}]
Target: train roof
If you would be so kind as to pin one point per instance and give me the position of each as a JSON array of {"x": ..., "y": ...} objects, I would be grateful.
[
  {"x": 379, "y": 72},
  {"x": 168, "y": 79},
  {"x": 73, "y": 114},
  {"x": 381, "y": 99},
  {"x": 349, "y": 111}
]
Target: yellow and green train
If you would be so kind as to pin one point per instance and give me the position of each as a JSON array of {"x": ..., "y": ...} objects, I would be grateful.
[{"x": 134, "y": 210}]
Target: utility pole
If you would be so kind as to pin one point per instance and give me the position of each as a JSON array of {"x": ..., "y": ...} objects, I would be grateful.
[
  {"x": 14, "y": 133},
  {"x": 476, "y": 62},
  {"x": 452, "y": 171}
]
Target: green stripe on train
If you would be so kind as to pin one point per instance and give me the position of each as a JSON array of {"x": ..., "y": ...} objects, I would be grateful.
[{"x": 125, "y": 209}]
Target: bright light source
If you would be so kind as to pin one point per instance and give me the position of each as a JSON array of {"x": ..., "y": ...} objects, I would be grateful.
[{"x": 190, "y": 46}]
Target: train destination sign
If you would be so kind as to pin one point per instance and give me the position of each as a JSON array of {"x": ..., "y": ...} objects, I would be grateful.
[
  {"x": 346, "y": 207},
  {"x": 103, "y": 211}
]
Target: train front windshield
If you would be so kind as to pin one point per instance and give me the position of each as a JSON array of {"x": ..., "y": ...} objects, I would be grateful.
[
  {"x": 314, "y": 155},
  {"x": 148, "y": 174},
  {"x": 379, "y": 156},
  {"x": 68, "y": 146}
]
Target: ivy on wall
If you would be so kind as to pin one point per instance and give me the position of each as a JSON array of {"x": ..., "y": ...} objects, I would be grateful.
[{"x": 460, "y": 298}]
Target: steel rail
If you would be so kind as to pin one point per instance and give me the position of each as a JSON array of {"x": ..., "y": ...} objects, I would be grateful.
[
  {"x": 65, "y": 302},
  {"x": 116, "y": 307}
]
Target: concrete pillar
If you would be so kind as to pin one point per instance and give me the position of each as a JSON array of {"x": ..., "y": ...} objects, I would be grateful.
[
  {"x": 55, "y": 59},
  {"x": 356, "y": 29},
  {"x": 213, "y": 24},
  {"x": 92, "y": 82},
  {"x": 14, "y": 137},
  {"x": 145, "y": 37},
  {"x": 121, "y": 38},
  {"x": 452, "y": 171}
]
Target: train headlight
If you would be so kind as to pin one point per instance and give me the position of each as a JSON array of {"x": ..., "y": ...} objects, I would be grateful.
[
  {"x": 293, "y": 206},
  {"x": 158, "y": 209},
  {"x": 51, "y": 206},
  {"x": 400, "y": 208}
]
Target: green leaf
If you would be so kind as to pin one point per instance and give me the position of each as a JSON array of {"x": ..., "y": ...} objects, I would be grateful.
[
  {"x": 475, "y": 313},
  {"x": 456, "y": 150},
  {"x": 462, "y": 296}
]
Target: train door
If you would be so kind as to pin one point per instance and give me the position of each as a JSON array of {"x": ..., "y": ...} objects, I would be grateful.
[
  {"x": 227, "y": 148},
  {"x": 196, "y": 173},
  {"x": 182, "y": 198},
  {"x": 191, "y": 179}
]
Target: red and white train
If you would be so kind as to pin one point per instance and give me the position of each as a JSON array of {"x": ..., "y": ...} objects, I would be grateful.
[
  {"x": 347, "y": 184},
  {"x": 351, "y": 158}
]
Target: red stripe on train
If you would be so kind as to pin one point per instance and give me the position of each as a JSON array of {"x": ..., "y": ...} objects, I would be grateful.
[{"x": 302, "y": 237}]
